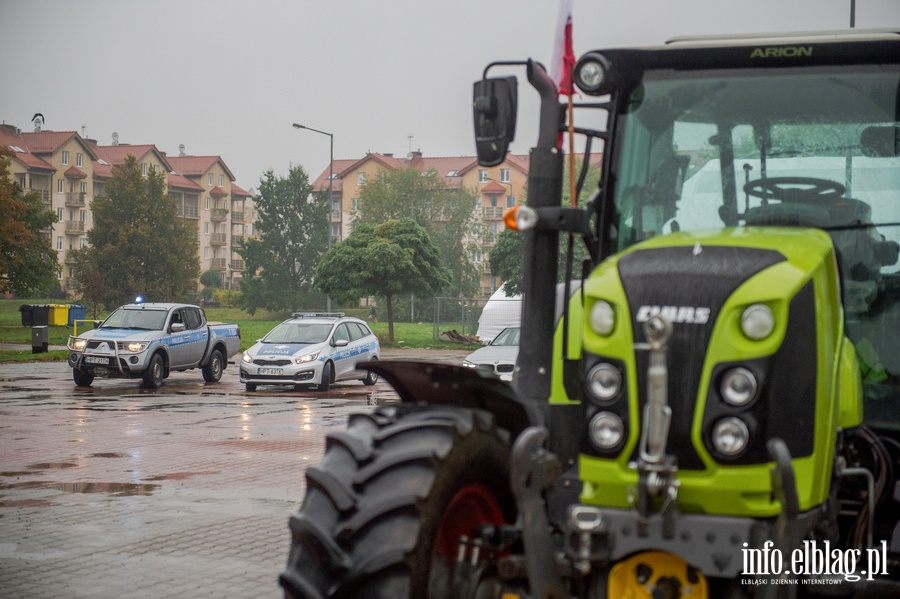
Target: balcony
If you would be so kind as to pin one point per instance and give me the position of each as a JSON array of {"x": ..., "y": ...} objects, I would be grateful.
[
  {"x": 237, "y": 216},
  {"x": 189, "y": 212},
  {"x": 44, "y": 194},
  {"x": 74, "y": 227},
  {"x": 237, "y": 239},
  {"x": 218, "y": 239},
  {"x": 218, "y": 263},
  {"x": 492, "y": 212},
  {"x": 76, "y": 199},
  {"x": 70, "y": 257},
  {"x": 237, "y": 265},
  {"x": 335, "y": 216},
  {"x": 489, "y": 239},
  {"x": 218, "y": 214}
]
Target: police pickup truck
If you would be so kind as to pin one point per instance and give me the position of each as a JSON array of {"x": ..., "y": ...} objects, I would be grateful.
[{"x": 151, "y": 340}]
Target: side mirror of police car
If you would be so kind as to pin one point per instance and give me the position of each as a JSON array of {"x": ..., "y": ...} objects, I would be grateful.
[
  {"x": 494, "y": 107},
  {"x": 177, "y": 327}
]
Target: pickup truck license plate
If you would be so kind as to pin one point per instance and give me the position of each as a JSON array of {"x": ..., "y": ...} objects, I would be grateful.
[
  {"x": 275, "y": 371},
  {"x": 96, "y": 360}
]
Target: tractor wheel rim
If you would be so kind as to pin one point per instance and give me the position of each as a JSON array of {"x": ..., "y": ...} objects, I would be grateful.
[{"x": 472, "y": 506}]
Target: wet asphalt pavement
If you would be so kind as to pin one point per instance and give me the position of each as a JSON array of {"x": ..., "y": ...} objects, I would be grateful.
[{"x": 117, "y": 491}]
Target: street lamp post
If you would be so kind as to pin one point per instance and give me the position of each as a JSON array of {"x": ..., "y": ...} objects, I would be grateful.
[{"x": 330, "y": 190}]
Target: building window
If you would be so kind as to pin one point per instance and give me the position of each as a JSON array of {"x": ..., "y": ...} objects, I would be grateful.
[
  {"x": 144, "y": 169},
  {"x": 209, "y": 179},
  {"x": 206, "y": 253},
  {"x": 206, "y": 228},
  {"x": 83, "y": 215},
  {"x": 79, "y": 159},
  {"x": 493, "y": 201},
  {"x": 482, "y": 175},
  {"x": 59, "y": 243},
  {"x": 59, "y": 215},
  {"x": 83, "y": 187},
  {"x": 60, "y": 186},
  {"x": 360, "y": 179},
  {"x": 207, "y": 203},
  {"x": 22, "y": 181},
  {"x": 510, "y": 201},
  {"x": 65, "y": 157},
  {"x": 354, "y": 204},
  {"x": 504, "y": 175},
  {"x": 81, "y": 243},
  {"x": 221, "y": 180}
]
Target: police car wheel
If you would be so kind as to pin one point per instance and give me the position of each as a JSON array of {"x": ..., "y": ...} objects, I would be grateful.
[{"x": 326, "y": 377}]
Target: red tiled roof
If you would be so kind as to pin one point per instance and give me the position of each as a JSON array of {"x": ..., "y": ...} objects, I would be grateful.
[
  {"x": 74, "y": 172},
  {"x": 117, "y": 154},
  {"x": 180, "y": 182},
  {"x": 25, "y": 157},
  {"x": 494, "y": 187},
  {"x": 218, "y": 192},
  {"x": 46, "y": 142},
  {"x": 238, "y": 192},
  {"x": 102, "y": 171},
  {"x": 193, "y": 166}
]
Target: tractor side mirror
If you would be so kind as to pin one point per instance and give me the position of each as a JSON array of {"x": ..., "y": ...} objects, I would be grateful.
[{"x": 494, "y": 106}]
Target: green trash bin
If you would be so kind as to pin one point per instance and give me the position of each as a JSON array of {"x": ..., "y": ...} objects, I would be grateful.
[{"x": 59, "y": 315}]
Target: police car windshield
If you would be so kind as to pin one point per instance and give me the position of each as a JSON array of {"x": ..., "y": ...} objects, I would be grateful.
[
  {"x": 142, "y": 319},
  {"x": 298, "y": 332}
]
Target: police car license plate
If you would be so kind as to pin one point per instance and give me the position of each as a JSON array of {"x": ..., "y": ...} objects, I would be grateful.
[
  {"x": 274, "y": 371},
  {"x": 96, "y": 360}
]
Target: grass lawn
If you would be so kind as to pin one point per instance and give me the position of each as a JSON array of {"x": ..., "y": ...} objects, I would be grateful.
[{"x": 406, "y": 335}]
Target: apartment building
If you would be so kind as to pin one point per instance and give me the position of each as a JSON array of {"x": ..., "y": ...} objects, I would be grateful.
[
  {"x": 69, "y": 170},
  {"x": 495, "y": 189}
]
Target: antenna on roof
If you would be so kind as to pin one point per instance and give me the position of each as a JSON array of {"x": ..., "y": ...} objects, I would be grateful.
[
  {"x": 83, "y": 129},
  {"x": 115, "y": 137},
  {"x": 181, "y": 149}
]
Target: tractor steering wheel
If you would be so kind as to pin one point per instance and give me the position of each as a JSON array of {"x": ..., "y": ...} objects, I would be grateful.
[{"x": 795, "y": 189}]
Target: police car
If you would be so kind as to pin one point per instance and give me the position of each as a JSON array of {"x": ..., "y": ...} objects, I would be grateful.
[{"x": 312, "y": 349}]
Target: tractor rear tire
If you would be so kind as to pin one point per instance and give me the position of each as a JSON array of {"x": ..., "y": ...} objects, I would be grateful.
[{"x": 384, "y": 510}]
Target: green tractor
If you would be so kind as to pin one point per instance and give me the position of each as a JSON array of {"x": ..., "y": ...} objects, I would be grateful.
[{"x": 709, "y": 406}]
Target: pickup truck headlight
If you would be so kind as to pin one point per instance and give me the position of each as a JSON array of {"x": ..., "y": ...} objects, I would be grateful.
[
  {"x": 306, "y": 358},
  {"x": 134, "y": 346},
  {"x": 77, "y": 344}
]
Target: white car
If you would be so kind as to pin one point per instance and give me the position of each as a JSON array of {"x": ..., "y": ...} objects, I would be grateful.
[
  {"x": 311, "y": 349},
  {"x": 499, "y": 356}
]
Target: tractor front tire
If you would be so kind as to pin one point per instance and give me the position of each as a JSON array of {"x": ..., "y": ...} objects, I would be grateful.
[{"x": 384, "y": 511}]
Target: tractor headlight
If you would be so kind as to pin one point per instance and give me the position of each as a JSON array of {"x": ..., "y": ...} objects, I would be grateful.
[
  {"x": 730, "y": 436},
  {"x": 306, "y": 358},
  {"x": 592, "y": 74},
  {"x": 757, "y": 322},
  {"x": 606, "y": 430},
  {"x": 603, "y": 318},
  {"x": 738, "y": 387},
  {"x": 604, "y": 381}
]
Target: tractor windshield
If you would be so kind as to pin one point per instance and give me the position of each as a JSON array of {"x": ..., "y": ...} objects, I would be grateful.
[{"x": 813, "y": 147}]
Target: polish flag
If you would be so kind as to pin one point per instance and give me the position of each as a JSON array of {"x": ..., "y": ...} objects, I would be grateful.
[{"x": 563, "y": 63}]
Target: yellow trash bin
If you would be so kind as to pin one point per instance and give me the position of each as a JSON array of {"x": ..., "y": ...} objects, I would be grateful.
[{"x": 59, "y": 315}]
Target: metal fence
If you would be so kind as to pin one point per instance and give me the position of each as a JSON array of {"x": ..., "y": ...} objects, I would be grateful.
[{"x": 462, "y": 314}]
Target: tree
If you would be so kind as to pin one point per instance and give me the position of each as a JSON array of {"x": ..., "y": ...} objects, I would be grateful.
[
  {"x": 211, "y": 280},
  {"x": 138, "y": 245},
  {"x": 446, "y": 214},
  {"x": 292, "y": 233},
  {"x": 507, "y": 258},
  {"x": 28, "y": 263},
  {"x": 395, "y": 257}
]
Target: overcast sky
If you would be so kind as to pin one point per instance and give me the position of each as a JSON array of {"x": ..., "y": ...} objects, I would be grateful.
[{"x": 229, "y": 77}]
